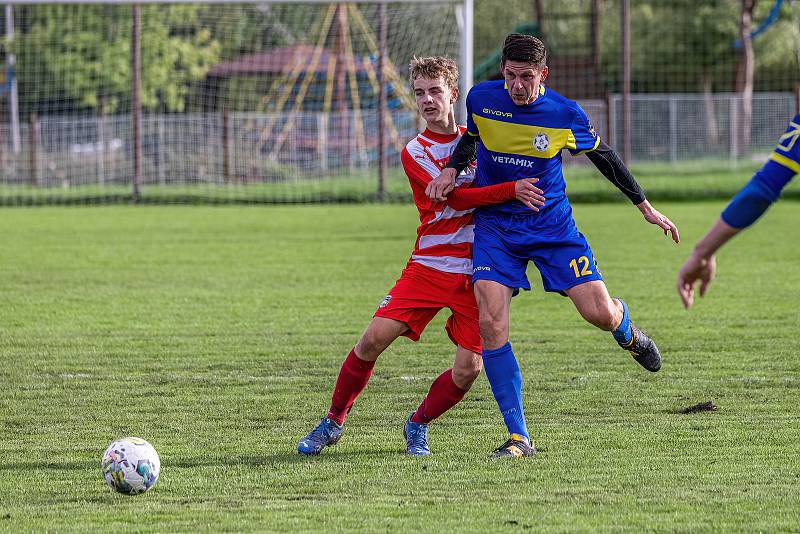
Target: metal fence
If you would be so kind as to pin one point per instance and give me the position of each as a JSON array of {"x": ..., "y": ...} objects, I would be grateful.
[{"x": 240, "y": 148}]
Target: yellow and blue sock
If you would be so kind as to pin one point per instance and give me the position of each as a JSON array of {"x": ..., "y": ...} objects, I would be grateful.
[
  {"x": 623, "y": 334},
  {"x": 505, "y": 378}
]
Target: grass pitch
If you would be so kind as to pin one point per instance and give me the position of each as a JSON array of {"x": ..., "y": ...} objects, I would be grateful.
[{"x": 217, "y": 333}]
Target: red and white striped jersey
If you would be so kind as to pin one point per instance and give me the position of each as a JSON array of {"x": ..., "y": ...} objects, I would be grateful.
[{"x": 445, "y": 235}]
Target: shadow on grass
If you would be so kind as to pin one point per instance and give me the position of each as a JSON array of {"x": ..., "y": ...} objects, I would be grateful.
[
  {"x": 283, "y": 458},
  {"x": 280, "y": 458},
  {"x": 50, "y": 466}
]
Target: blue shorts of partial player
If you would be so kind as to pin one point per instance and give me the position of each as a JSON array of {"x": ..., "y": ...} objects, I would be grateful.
[{"x": 504, "y": 245}]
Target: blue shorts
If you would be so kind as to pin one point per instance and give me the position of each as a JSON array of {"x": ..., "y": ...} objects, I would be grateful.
[{"x": 504, "y": 246}]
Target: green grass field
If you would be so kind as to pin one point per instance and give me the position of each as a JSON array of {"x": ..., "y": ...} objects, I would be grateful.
[{"x": 216, "y": 333}]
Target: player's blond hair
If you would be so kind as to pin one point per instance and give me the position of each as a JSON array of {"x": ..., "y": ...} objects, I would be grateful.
[{"x": 433, "y": 67}]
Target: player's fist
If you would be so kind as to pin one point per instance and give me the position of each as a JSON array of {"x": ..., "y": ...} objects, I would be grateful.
[
  {"x": 529, "y": 194},
  {"x": 441, "y": 185}
]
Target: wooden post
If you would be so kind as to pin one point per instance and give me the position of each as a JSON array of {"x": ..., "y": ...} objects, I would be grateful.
[
  {"x": 538, "y": 9},
  {"x": 382, "y": 104},
  {"x": 673, "y": 129},
  {"x": 341, "y": 72},
  {"x": 322, "y": 140},
  {"x": 626, "y": 81},
  {"x": 162, "y": 149},
  {"x": 226, "y": 146},
  {"x": 103, "y": 145},
  {"x": 34, "y": 153},
  {"x": 136, "y": 104},
  {"x": 733, "y": 111},
  {"x": 745, "y": 69},
  {"x": 609, "y": 133},
  {"x": 595, "y": 34},
  {"x": 13, "y": 96}
]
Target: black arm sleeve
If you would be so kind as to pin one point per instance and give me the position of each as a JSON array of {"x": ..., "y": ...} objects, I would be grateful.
[
  {"x": 608, "y": 162},
  {"x": 466, "y": 152}
]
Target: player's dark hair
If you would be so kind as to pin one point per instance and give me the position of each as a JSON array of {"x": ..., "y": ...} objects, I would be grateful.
[{"x": 525, "y": 49}]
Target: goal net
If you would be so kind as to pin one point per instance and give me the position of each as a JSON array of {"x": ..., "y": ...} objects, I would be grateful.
[{"x": 273, "y": 102}]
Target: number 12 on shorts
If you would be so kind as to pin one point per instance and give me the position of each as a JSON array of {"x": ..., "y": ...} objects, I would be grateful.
[{"x": 580, "y": 266}]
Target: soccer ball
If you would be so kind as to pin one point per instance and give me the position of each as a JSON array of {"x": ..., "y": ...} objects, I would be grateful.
[{"x": 130, "y": 466}]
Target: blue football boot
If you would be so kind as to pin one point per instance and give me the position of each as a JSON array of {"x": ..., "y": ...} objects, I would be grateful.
[
  {"x": 327, "y": 432},
  {"x": 416, "y": 435}
]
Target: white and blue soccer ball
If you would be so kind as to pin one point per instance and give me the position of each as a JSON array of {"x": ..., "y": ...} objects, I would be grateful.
[{"x": 130, "y": 466}]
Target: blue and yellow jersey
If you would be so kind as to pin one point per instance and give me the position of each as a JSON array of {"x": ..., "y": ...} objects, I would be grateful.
[
  {"x": 766, "y": 185},
  {"x": 526, "y": 142},
  {"x": 787, "y": 153}
]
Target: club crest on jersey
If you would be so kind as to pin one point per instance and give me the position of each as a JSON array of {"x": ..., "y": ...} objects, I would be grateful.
[
  {"x": 786, "y": 141},
  {"x": 541, "y": 142},
  {"x": 385, "y": 302}
]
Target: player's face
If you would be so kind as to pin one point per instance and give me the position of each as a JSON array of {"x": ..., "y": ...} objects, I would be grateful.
[
  {"x": 434, "y": 98},
  {"x": 522, "y": 80}
]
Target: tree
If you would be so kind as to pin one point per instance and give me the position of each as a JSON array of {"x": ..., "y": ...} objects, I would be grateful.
[
  {"x": 745, "y": 69},
  {"x": 79, "y": 57}
]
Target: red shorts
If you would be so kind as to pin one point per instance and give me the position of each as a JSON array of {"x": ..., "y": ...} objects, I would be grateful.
[{"x": 421, "y": 292}]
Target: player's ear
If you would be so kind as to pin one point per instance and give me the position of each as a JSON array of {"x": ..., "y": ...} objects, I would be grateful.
[
  {"x": 545, "y": 72},
  {"x": 453, "y": 95}
]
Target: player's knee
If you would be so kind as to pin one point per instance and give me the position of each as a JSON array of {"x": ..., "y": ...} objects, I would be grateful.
[
  {"x": 465, "y": 375},
  {"x": 369, "y": 346},
  {"x": 493, "y": 330}
]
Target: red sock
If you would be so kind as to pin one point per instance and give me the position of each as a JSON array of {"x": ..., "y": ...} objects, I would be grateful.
[
  {"x": 353, "y": 378},
  {"x": 443, "y": 395}
]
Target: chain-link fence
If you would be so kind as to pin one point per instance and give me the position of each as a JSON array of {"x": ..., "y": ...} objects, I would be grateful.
[{"x": 280, "y": 102}]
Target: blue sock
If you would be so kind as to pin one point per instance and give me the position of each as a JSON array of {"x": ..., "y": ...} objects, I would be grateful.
[
  {"x": 505, "y": 379},
  {"x": 623, "y": 332}
]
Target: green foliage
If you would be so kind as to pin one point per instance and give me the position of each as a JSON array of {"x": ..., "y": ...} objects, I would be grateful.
[
  {"x": 216, "y": 333},
  {"x": 73, "y": 57},
  {"x": 85, "y": 53},
  {"x": 678, "y": 45}
]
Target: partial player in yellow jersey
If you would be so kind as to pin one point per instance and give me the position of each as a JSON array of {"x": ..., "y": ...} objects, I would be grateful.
[{"x": 744, "y": 209}]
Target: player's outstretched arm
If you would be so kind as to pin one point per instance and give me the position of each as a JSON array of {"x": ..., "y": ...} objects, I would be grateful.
[
  {"x": 465, "y": 153},
  {"x": 750, "y": 203},
  {"x": 474, "y": 197},
  {"x": 701, "y": 265}
]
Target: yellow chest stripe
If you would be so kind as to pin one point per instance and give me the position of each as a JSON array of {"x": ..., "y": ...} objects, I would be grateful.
[{"x": 521, "y": 139}]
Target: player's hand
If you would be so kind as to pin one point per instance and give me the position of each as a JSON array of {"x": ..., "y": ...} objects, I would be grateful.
[
  {"x": 653, "y": 216},
  {"x": 695, "y": 268},
  {"x": 441, "y": 185},
  {"x": 529, "y": 194}
]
